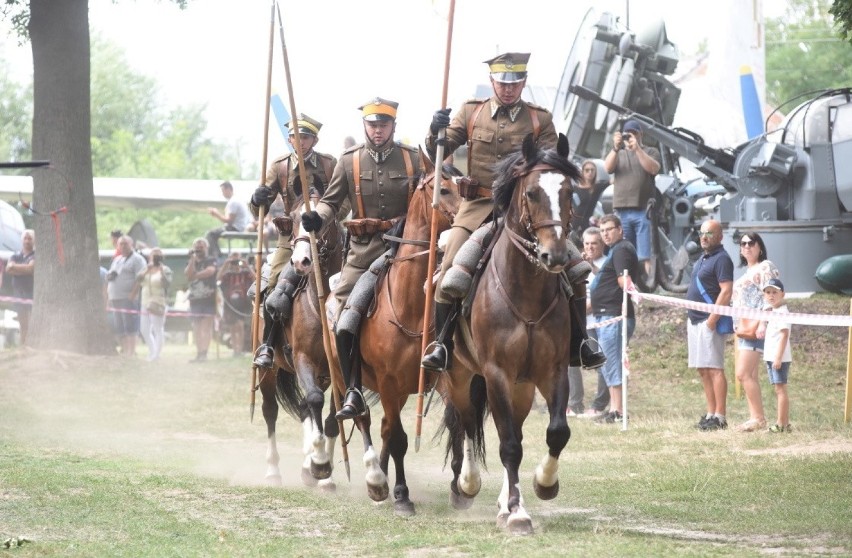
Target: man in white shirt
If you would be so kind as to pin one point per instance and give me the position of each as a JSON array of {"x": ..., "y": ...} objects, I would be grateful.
[{"x": 236, "y": 218}]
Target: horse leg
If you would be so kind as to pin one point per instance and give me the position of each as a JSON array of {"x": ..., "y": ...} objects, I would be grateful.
[
  {"x": 546, "y": 477},
  {"x": 270, "y": 415},
  {"x": 377, "y": 480},
  {"x": 465, "y": 444},
  {"x": 511, "y": 513},
  {"x": 332, "y": 432},
  {"x": 395, "y": 444},
  {"x": 320, "y": 464}
]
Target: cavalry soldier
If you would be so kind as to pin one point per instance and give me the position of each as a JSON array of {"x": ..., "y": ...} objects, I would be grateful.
[
  {"x": 280, "y": 178},
  {"x": 493, "y": 128},
  {"x": 375, "y": 178}
]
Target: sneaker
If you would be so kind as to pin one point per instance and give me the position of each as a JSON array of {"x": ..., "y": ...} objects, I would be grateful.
[
  {"x": 702, "y": 422},
  {"x": 751, "y": 425},
  {"x": 571, "y": 413},
  {"x": 610, "y": 418},
  {"x": 777, "y": 429},
  {"x": 591, "y": 414},
  {"x": 714, "y": 423}
]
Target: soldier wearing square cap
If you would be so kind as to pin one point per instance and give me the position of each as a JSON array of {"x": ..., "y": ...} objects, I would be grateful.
[
  {"x": 281, "y": 179},
  {"x": 492, "y": 129},
  {"x": 374, "y": 178}
]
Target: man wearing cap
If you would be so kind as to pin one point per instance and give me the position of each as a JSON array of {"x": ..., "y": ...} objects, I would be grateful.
[
  {"x": 281, "y": 180},
  {"x": 374, "y": 178},
  {"x": 633, "y": 167},
  {"x": 492, "y": 129}
]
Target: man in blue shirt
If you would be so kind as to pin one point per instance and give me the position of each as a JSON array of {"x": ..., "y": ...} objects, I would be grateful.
[{"x": 712, "y": 282}]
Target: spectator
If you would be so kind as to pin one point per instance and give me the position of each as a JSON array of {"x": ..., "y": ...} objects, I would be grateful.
[
  {"x": 201, "y": 273},
  {"x": 587, "y": 192},
  {"x": 713, "y": 280},
  {"x": 778, "y": 355},
  {"x": 154, "y": 283},
  {"x": 748, "y": 294},
  {"x": 235, "y": 218},
  {"x": 593, "y": 252},
  {"x": 235, "y": 277},
  {"x": 607, "y": 297},
  {"x": 633, "y": 167},
  {"x": 114, "y": 236},
  {"x": 20, "y": 268},
  {"x": 122, "y": 292}
]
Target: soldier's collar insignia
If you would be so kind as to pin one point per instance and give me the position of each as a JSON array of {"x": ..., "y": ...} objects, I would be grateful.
[
  {"x": 380, "y": 156},
  {"x": 512, "y": 111}
]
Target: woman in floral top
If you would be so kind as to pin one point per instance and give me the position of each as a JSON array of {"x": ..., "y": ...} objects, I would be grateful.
[{"x": 748, "y": 293}]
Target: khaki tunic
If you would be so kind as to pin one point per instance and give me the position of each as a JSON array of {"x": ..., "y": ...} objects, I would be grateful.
[
  {"x": 497, "y": 132},
  {"x": 280, "y": 177},
  {"x": 385, "y": 194}
]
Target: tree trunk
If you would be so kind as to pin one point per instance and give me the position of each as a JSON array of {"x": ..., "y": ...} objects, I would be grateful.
[{"x": 68, "y": 310}]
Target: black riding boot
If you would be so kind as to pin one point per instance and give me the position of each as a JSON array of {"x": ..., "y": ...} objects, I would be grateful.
[
  {"x": 582, "y": 353},
  {"x": 441, "y": 355},
  {"x": 264, "y": 355},
  {"x": 353, "y": 404}
]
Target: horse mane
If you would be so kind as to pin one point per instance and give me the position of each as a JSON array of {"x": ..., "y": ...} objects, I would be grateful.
[
  {"x": 520, "y": 162},
  {"x": 396, "y": 231}
]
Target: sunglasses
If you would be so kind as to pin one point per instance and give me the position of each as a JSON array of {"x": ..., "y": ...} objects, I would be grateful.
[
  {"x": 706, "y": 234},
  {"x": 748, "y": 243}
]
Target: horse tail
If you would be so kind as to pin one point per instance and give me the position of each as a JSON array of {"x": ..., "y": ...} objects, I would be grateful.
[
  {"x": 289, "y": 393},
  {"x": 479, "y": 400}
]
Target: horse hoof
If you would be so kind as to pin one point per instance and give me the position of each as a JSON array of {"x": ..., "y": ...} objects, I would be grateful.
[
  {"x": 273, "y": 480},
  {"x": 378, "y": 493},
  {"x": 327, "y": 485},
  {"x": 460, "y": 501},
  {"x": 307, "y": 478},
  {"x": 546, "y": 492},
  {"x": 519, "y": 525},
  {"x": 403, "y": 508},
  {"x": 321, "y": 470}
]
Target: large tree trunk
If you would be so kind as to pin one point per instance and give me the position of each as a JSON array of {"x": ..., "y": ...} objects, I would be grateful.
[{"x": 68, "y": 312}]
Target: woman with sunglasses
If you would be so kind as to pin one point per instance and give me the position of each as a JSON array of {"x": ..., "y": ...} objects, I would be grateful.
[
  {"x": 587, "y": 193},
  {"x": 748, "y": 293}
]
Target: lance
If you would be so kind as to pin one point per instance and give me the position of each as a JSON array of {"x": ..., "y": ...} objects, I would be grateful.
[
  {"x": 308, "y": 203},
  {"x": 433, "y": 236},
  {"x": 258, "y": 259}
]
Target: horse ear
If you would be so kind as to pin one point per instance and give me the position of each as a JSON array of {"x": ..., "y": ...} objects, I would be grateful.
[
  {"x": 428, "y": 165},
  {"x": 562, "y": 146},
  {"x": 528, "y": 149}
]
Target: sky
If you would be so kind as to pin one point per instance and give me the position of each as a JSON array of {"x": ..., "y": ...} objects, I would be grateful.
[{"x": 342, "y": 53}]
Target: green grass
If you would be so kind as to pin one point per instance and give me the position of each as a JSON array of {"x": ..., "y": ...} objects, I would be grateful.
[{"x": 109, "y": 457}]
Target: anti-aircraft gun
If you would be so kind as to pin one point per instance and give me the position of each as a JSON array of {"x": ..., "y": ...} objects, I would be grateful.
[{"x": 792, "y": 185}]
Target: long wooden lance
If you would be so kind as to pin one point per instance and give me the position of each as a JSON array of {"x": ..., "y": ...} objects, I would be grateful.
[
  {"x": 308, "y": 203},
  {"x": 258, "y": 258},
  {"x": 433, "y": 236}
]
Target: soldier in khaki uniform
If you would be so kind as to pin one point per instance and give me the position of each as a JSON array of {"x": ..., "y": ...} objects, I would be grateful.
[
  {"x": 374, "y": 177},
  {"x": 280, "y": 178},
  {"x": 492, "y": 129}
]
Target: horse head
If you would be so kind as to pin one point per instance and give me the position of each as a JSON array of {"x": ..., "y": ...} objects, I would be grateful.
[
  {"x": 328, "y": 242},
  {"x": 449, "y": 199},
  {"x": 533, "y": 192}
]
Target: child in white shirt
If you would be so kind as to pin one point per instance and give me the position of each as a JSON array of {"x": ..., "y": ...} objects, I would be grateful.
[{"x": 777, "y": 352}]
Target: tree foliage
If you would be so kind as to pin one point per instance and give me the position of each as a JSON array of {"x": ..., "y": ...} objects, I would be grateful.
[
  {"x": 803, "y": 53},
  {"x": 842, "y": 12},
  {"x": 16, "y": 123}
]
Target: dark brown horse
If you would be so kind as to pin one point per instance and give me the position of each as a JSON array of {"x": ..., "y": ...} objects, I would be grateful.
[
  {"x": 517, "y": 337},
  {"x": 390, "y": 338},
  {"x": 303, "y": 374}
]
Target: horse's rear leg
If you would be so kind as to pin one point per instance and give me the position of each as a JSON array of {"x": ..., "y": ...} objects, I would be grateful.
[
  {"x": 377, "y": 480},
  {"x": 466, "y": 481},
  {"x": 512, "y": 516},
  {"x": 396, "y": 446},
  {"x": 270, "y": 415}
]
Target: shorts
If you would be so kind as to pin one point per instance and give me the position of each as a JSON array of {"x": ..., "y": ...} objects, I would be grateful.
[
  {"x": 751, "y": 345},
  {"x": 706, "y": 347},
  {"x": 125, "y": 323},
  {"x": 609, "y": 338},
  {"x": 637, "y": 229},
  {"x": 777, "y": 377},
  {"x": 206, "y": 306}
]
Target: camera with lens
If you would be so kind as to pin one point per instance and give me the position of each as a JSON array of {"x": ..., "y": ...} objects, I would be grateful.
[{"x": 112, "y": 275}]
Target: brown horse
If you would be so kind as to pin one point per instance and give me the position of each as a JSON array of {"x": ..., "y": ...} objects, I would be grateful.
[
  {"x": 517, "y": 337},
  {"x": 390, "y": 337},
  {"x": 303, "y": 374}
]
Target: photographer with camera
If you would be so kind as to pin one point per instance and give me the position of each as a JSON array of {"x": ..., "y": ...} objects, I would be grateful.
[
  {"x": 123, "y": 294},
  {"x": 235, "y": 277},
  {"x": 154, "y": 283},
  {"x": 201, "y": 273},
  {"x": 633, "y": 167}
]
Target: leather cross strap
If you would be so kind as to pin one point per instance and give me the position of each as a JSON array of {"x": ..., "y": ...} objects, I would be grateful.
[{"x": 356, "y": 171}]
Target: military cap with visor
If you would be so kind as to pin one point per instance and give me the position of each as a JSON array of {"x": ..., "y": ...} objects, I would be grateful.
[
  {"x": 306, "y": 125},
  {"x": 510, "y": 67},
  {"x": 379, "y": 109}
]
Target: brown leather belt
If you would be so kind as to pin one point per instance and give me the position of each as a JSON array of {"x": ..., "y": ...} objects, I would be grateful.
[{"x": 369, "y": 226}]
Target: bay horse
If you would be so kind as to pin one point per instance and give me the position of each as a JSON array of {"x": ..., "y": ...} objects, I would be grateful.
[
  {"x": 518, "y": 334},
  {"x": 390, "y": 336},
  {"x": 303, "y": 374}
]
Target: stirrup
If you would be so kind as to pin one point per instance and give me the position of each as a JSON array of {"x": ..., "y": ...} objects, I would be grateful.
[
  {"x": 353, "y": 407},
  {"x": 431, "y": 348},
  {"x": 264, "y": 356},
  {"x": 597, "y": 357}
]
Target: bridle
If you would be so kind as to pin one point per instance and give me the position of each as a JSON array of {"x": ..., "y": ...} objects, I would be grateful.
[{"x": 528, "y": 245}]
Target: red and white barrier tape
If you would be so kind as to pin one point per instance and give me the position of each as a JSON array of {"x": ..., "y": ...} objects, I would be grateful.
[
  {"x": 605, "y": 322},
  {"x": 117, "y": 310},
  {"x": 752, "y": 313}
]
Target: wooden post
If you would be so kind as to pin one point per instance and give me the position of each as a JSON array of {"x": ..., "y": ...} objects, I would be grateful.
[{"x": 847, "y": 409}]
